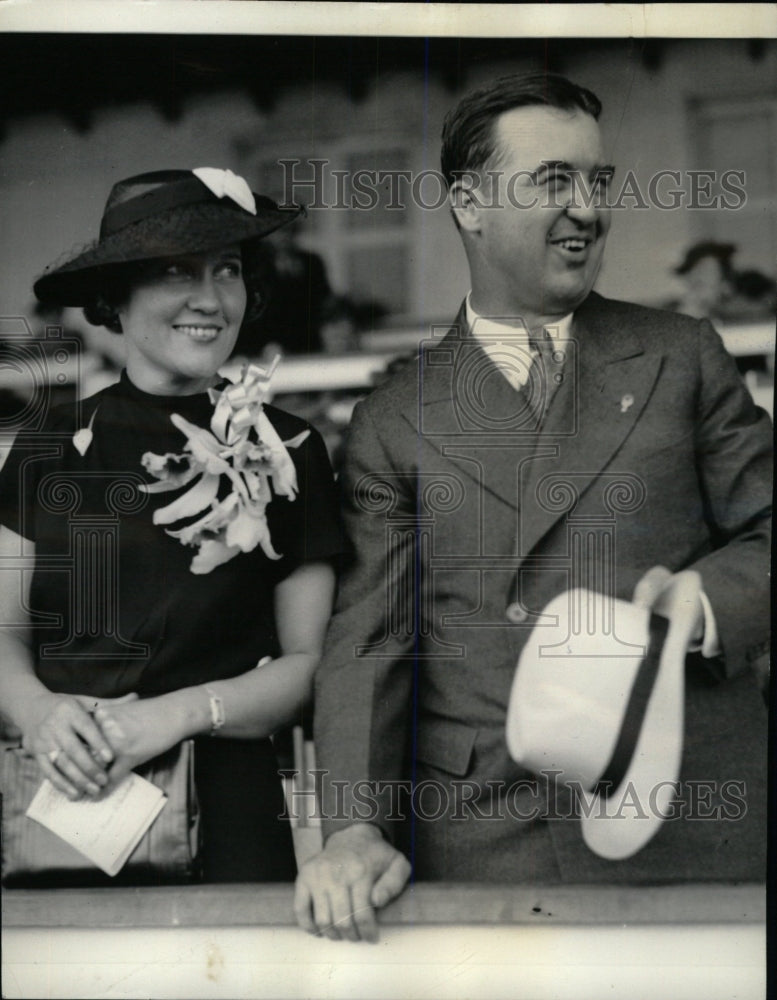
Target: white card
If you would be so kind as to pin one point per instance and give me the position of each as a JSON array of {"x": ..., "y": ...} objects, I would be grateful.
[{"x": 105, "y": 830}]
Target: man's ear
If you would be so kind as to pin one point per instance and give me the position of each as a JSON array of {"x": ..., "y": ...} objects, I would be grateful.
[{"x": 466, "y": 204}]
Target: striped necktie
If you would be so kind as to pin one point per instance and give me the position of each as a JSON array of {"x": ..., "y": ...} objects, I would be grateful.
[{"x": 545, "y": 376}]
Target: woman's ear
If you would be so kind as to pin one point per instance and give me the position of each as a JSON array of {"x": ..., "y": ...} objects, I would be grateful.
[
  {"x": 114, "y": 320},
  {"x": 255, "y": 306}
]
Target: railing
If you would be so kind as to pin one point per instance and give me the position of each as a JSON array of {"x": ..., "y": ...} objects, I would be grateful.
[
  {"x": 318, "y": 372},
  {"x": 437, "y": 940}
]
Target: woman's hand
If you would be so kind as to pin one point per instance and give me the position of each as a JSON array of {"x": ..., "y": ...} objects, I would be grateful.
[
  {"x": 72, "y": 750},
  {"x": 139, "y": 730}
]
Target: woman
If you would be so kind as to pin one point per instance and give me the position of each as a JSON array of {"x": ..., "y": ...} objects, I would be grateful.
[{"x": 137, "y": 645}]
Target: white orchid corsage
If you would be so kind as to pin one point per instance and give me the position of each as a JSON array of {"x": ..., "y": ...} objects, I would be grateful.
[{"x": 238, "y": 522}]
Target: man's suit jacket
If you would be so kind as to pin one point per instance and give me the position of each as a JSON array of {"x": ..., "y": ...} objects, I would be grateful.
[{"x": 466, "y": 521}]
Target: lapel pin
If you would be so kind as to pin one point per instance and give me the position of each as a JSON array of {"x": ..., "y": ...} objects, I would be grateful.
[{"x": 627, "y": 401}]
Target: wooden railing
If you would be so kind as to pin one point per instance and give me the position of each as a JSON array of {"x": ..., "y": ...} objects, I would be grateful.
[
  {"x": 437, "y": 941},
  {"x": 425, "y": 903}
]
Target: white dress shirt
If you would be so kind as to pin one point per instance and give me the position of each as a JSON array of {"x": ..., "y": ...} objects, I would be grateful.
[{"x": 507, "y": 342}]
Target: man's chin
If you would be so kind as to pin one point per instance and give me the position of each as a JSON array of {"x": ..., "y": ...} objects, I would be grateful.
[
  {"x": 571, "y": 286},
  {"x": 562, "y": 302}
]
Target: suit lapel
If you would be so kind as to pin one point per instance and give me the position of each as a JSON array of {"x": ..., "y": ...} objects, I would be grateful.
[
  {"x": 604, "y": 392},
  {"x": 468, "y": 412},
  {"x": 608, "y": 379}
]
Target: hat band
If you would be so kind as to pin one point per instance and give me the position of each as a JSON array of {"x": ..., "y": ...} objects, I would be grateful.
[
  {"x": 173, "y": 194},
  {"x": 619, "y": 762}
]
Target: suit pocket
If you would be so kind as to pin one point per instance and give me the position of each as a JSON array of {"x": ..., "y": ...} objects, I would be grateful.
[{"x": 445, "y": 744}]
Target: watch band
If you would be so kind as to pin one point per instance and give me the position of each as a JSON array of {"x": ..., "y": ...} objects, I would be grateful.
[{"x": 217, "y": 715}]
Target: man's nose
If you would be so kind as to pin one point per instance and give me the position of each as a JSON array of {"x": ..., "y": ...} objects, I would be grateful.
[{"x": 586, "y": 202}]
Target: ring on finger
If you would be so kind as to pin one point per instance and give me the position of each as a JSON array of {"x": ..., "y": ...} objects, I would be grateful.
[{"x": 53, "y": 755}]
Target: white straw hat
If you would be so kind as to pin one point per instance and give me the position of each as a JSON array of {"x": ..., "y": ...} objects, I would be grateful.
[{"x": 597, "y": 702}]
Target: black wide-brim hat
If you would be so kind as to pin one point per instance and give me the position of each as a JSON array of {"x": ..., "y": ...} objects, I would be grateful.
[{"x": 163, "y": 214}]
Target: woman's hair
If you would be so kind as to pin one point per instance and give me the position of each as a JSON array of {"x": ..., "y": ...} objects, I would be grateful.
[{"x": 117, "y": 281}]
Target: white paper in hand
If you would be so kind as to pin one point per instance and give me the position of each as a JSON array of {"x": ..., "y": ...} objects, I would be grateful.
[{"x": 105, "y": 830}]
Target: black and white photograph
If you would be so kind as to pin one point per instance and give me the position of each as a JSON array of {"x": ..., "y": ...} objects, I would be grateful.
[{"x": 386, "y": 432}]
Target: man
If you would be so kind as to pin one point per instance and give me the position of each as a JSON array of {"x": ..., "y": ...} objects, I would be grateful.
[{"x": 552, "y": 439}]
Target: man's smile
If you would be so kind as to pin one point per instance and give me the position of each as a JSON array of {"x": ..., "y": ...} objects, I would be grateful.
[
  {"x": 574, "y": 247},
  {"x": 573, "y": 243}
]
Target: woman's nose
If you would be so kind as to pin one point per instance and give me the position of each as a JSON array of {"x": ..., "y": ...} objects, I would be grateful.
[{"x": 203, "y": 295}]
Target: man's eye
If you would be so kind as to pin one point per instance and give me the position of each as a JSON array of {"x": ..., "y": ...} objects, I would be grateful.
[
  {"x": 558, "y": 180},
  {"x": 603, "y": 181}
]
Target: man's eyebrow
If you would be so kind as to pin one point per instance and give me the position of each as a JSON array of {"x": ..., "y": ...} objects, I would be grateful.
[{"x": 547, "y": 165}]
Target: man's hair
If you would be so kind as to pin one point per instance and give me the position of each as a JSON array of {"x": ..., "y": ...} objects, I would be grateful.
[{"x": 468, "y": 140}]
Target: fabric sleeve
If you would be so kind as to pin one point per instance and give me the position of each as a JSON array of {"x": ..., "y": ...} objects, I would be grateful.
[
  {"x": 308, "y": 528},
  {"x": 364, "y": 683},
  {"x": 734, "y": 456}
]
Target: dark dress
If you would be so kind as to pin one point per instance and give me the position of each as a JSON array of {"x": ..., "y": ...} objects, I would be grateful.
[{"x": 114, "y": 607}]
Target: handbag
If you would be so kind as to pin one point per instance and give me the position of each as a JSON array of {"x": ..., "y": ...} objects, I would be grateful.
[{"x": 168, "y": 852}]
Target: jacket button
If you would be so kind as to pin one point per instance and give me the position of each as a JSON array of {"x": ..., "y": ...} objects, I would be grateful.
[{"x": 516, "y": 614}]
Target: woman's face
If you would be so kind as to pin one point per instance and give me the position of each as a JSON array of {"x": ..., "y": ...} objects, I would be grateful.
[{"x": 181, "y": 320}]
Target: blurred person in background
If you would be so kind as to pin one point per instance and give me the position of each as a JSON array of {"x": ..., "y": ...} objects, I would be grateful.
[
  {"x": 297, "y": 297},
  {"x": 706, "y": 275},
  {"x": 753, "y": 296},
  {"x": 344, "y": 320}
]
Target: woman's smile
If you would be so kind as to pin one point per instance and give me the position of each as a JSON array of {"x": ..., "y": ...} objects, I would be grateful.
[{"x": 204, "y": 333}]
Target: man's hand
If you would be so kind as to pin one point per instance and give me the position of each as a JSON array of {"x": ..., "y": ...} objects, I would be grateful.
[
  {"x": 339, "y": 890},
  {"x": 676, "y": 597}
]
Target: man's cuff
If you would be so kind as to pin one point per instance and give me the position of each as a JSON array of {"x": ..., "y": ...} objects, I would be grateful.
[{"x": 709, "y": 646}]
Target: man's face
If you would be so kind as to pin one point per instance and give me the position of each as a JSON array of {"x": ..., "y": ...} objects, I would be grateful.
[{"x": 540, "y": 252}]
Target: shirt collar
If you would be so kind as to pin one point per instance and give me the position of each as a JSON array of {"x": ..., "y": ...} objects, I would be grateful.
[{"x": 493, "y": 329}]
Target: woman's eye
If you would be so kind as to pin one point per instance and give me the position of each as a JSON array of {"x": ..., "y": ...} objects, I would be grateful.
[
  {"x": 177, "y": 271},
  {"x": 229, "y": 269}
]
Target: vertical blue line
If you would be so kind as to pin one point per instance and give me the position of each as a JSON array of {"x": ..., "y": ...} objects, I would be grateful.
[{"x": 418, "y": 558}]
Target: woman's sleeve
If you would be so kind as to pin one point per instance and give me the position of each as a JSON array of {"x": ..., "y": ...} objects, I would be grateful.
[{"x": 308, "y": 529}]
